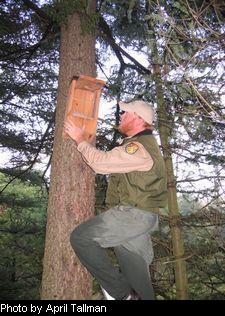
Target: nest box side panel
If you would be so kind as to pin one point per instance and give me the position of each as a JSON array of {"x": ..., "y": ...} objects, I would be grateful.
[{"x": 83, "y": 103}]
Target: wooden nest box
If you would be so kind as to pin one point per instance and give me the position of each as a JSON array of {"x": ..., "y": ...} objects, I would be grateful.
[{"x": 83, "y": 103}]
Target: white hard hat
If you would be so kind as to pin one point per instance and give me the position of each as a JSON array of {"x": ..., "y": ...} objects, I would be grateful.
[{"x": 141, "y": 108}]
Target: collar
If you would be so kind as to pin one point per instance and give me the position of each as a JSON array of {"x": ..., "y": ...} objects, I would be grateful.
[{"x": 145, "y": 132}]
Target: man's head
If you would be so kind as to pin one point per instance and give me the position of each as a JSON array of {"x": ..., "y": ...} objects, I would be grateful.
[
  {"x": 138, "y": 116},
  {"x": 141, "y": 108}
]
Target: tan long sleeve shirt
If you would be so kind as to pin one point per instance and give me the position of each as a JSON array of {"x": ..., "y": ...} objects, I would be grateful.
[{"x": 129, "y": 157}]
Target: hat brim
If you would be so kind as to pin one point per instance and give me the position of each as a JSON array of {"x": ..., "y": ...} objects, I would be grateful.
[{"x": 124, "y": 107}]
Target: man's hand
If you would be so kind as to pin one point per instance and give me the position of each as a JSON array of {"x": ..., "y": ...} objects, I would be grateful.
[{"x": 75, "y": 132}]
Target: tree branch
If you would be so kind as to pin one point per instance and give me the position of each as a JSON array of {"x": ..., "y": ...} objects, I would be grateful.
[
  {"x": 34, "y": 160},
  {"x": 106, "y": 34},
  {"x": 37, "y": 10}
]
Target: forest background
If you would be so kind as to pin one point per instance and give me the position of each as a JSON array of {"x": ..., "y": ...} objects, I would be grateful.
[{"x": 167, "y": 52}]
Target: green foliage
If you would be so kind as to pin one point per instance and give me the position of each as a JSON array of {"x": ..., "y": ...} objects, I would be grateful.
[
  {"x": 181, "y": 7},
  {"x": 206, "y": 261},
  {"x": 33, "y": 177},
  {"x": 22, "y": 228},
  {"x": 125, "y": 19},
  {"x": 28, "y": 76},
  {"x": 215, "y": 159},
  {"x": 61, "y": 10},
  {"x": 203, "y": 235},
  {"x": 100, "y": 193}
]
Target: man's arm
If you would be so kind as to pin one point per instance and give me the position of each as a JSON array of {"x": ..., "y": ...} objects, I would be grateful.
[
  {"x": 118, "y": 160},
  {"x": 122, "y": 159}
]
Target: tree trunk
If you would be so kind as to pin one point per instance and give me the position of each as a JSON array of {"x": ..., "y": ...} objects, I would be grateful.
[
  {"x": 165, "y": 127},
  {"x": 176, "y": 235},
  {"x": 71, "y": 197}
]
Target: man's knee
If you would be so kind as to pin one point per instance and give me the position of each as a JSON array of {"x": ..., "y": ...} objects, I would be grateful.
[
  {"x": 81, "y": 236},
  {"x": 75, "y": 237},
  {"x": 84, "y": 234}
]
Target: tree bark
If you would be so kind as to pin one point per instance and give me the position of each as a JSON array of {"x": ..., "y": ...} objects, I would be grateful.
[
  {"x": 165, "y": 125},
  {"x": 71, "y": 196}
]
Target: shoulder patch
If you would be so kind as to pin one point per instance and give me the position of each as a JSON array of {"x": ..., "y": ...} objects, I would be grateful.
[{"x": 131, "y": 148}]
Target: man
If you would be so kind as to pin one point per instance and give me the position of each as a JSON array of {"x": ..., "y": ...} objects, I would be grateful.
[{"x": 137, "y": 190}]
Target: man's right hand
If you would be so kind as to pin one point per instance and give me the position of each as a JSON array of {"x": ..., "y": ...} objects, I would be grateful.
[{"x": 75, "y": 132}]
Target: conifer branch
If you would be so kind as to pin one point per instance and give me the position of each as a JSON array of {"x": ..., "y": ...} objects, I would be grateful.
[
  {"x": 35, "y": 158},
  {"x": 106, "y": 34}
]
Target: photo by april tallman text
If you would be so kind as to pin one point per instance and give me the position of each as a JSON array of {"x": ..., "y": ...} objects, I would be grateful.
[{"x": 50, "y": 308}]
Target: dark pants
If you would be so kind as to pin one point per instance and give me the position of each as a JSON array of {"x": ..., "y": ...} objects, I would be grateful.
[{"x": 118, "y": 282}]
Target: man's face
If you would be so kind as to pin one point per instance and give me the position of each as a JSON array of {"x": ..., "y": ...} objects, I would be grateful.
[{"x": 127, "y": 123}]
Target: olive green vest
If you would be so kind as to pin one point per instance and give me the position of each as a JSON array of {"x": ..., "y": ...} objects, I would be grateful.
[{"x": 142, "y": 189}]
